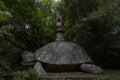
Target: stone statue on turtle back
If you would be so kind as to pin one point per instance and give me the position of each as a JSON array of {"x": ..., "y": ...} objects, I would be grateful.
[{"x": 61, "y": 56}]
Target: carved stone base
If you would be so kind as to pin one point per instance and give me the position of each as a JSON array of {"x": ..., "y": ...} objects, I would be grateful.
[{"x": 75, "y": 76}]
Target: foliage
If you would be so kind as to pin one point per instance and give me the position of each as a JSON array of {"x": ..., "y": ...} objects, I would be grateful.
[
  {"x": 105, "y": 29},
  {"x": 115, "y": 73},
  {"x": 94, "y": 24},
  {"x": 9, "y": 57},
  {"x": 4, "y": 15},
  {"x": 75, "y": 12},
  {"x": 30, "y": 23},
  {"x": 24, "y": 24},
  {"x": 25, "y": 75}
]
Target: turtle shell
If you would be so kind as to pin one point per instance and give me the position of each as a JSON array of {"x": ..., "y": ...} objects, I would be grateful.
[{"x": 61, "y": 52}]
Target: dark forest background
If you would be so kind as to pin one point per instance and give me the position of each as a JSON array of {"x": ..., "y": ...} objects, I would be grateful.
[{"x": 30, "y": 24}]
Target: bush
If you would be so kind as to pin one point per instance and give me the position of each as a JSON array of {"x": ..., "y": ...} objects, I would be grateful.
[{"x": 25, "y": 75}]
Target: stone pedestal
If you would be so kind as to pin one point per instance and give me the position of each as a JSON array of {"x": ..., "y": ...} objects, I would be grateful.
[{"x": 75, "y": 76}]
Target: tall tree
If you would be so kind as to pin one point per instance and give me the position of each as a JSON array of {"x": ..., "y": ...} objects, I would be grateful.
[
  {"x": 31, "y": 24},
  {"x": 94, "y": 24}
]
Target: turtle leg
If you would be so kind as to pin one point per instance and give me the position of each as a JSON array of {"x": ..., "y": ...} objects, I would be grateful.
[
  {"x": 39, "y": 69},
  {"x": 91, "y": 68}
]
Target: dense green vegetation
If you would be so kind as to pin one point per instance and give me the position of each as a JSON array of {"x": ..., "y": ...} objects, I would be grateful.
[
  {"x": 30, "y": 24},
  {"x": 95, "y": 25}
]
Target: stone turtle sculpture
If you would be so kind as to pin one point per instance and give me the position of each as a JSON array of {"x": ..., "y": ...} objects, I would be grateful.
[
  {"x": 61, "y": 56},
  {"x": 63, "y": 53}
]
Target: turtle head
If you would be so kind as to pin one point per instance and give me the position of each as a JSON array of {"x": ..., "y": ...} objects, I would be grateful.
[{"x": 28, "y": 58}]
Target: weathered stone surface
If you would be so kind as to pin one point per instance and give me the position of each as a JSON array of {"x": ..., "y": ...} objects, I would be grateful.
[
  {"x": 76, "y": 76},
  {"x": 72, "y": 78},
  {"x": 91, "y": 68},
  {"x": 28, "y": 56},
  {"x": 61, "y": 52},
  {"x": 39, "y": 69}
]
